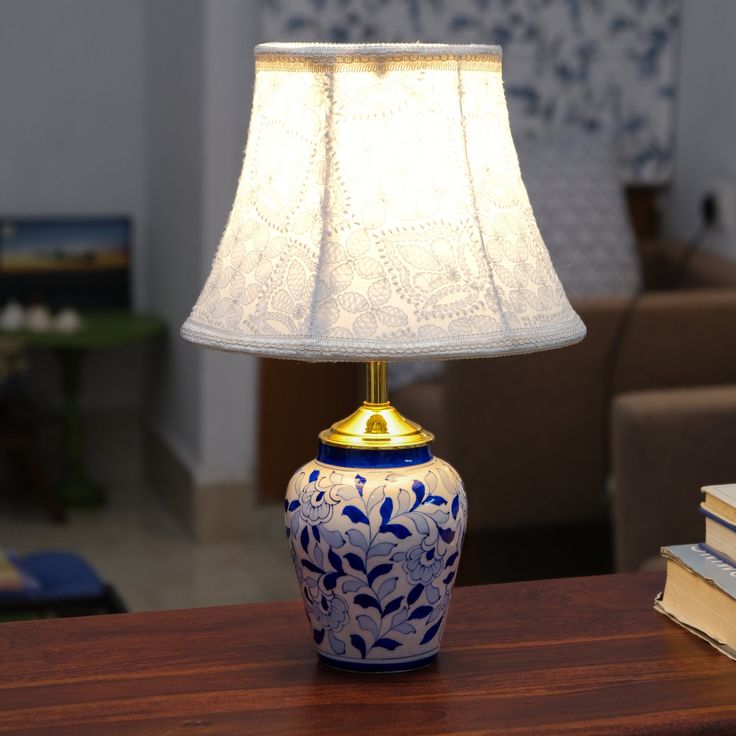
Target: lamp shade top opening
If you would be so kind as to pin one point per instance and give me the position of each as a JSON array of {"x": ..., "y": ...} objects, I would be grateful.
[{"x": 381, "y": 214}]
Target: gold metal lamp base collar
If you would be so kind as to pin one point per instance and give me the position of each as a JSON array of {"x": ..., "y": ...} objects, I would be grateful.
[{"x": 376, "y": 424}]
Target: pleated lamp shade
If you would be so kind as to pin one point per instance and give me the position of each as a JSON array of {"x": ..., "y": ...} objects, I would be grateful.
[{"x": 381, "y": 214}]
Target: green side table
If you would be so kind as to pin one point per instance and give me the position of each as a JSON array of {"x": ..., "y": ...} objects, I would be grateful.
[{"x": 100, "y": 330}]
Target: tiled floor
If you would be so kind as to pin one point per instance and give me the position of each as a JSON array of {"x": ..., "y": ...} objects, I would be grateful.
[{"x": 135, "y": 545}]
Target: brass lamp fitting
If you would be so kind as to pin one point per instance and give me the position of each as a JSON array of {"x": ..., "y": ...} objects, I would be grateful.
[{"x": 376, "y": 424}]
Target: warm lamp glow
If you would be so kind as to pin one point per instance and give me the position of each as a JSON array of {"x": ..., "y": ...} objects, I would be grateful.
[{"x": 381, "y": 214}]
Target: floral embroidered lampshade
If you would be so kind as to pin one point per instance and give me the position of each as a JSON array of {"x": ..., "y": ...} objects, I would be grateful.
[{"x": 381, "y": 214}]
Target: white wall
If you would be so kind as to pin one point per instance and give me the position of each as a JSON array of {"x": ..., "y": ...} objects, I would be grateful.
[
  {"x": 72, "y": 110},
  {"x": 706, "y": 117},
  {"x": 173, "y": 185},
  {"x": 199, "y": 86},
  {"x": 228, "y": 398}
]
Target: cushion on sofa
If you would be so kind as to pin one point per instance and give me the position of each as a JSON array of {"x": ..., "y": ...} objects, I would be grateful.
[{"x": 578, "y": 200}]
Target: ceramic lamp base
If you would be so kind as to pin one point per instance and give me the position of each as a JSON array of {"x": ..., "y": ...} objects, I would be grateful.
[{"x": 375, "y": 537}]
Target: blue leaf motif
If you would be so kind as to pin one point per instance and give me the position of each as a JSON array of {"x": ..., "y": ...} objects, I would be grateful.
[
  {"x": 421, "y": 612},
  {"x": 386, "y": 643},
  {"x": 387, "y": 508},
  {"x": 392, "y": 605},
  {"x": 451, "y": 559},
  {"x": 334, "y": 539},
  {"x": 294, "y": 505},
  {"x": 337, "y": 646},
  {"x": 440, "y": 517},
  {"x": 335, "y": 561},
  {"x": 355, "y": 515},
  {"x": 311, "y": 566},
  {"x": 379, "y": 570},
  {"x": 351, "y": 585},
  {"x": 449, "y": 578},
  {"x": 436, "y": 500},
  {"x": 355, "y": 561},
  {"x": 318, "y": 635},
  {"x": 455, "y": 506},
  {"x": 399, "y": 531},
  {"x": 359, "y": 484},
  {"x": 330, "y": 580},
  {"x": 313, "y": 475},
  {"x": 447, "y": 535},
  {"x": 399, "y": 618},
  {"x": 315, "y": 532},
  {"x": 434, "y": 615},
  {"x": 414, "y": 594},
  {"x": 420, "y": 521},
  {"x": 382, "y": 549},
  {"x": 357, "y": 539},
  {"x": 431, "y": 632},
  {"x": 358, "y": 643},
  {"x": 376, "y": 496},
  {"x": 304, "y": 538},
  {"x": 294, "y": 524},
  {"x": 433, "y": 594},
  {"x": 405, "y": 628},
  {"x": 367, "y": 624},
  {"x": 418, "y": 487},
  {"x": 367, "y": 601},
  {"x": 387, "y": 587}
]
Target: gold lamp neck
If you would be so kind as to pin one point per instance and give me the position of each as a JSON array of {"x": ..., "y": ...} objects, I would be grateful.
[
  {"x": 376, "y": 424},
  {"x": 376, "y": 382}
]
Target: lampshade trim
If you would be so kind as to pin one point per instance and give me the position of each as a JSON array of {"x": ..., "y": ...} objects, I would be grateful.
[
  {"x": 351, "y": 50},
  {"x": 322, "y": 349},
  {"x": 378, "y": 58}
]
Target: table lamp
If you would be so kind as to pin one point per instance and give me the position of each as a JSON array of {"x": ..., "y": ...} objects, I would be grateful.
[{"x": 380, "y": 216}]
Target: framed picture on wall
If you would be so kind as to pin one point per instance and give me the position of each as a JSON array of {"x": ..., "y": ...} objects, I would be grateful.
[{"x": 81, "y": 262}]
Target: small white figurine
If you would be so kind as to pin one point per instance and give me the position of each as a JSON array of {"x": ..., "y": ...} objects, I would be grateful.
[
  {"x": 68, "y": 321},
  {"x": 38, "y": 318},
  {"x": 12, "y": 317}
]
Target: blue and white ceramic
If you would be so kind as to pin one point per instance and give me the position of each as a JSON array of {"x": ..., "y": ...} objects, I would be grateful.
[{"x": 375, "y": 536}]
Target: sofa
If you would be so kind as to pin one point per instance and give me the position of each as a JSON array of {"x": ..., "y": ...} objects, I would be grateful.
[
  {"x": 666, "y": 445},
  {"x": 530, "y": 434}
]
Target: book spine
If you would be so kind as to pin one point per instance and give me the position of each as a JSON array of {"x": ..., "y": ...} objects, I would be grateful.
[
  {"x": 717, "y": 553},
  {"x": 717, "y": 518}
]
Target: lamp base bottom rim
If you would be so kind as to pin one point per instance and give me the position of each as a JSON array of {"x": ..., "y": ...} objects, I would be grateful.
[{"x": 378, "y": 666}]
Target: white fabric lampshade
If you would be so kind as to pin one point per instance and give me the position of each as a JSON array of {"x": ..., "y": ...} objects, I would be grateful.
[{"x": 380, "y": 214}]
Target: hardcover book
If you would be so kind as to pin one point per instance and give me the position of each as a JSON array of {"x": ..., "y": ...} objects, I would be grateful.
[
  {"x": 700, "y": 595},
  {"x": 719, "y": 509}
]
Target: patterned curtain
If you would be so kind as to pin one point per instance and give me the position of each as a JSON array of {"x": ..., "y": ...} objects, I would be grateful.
[{"x": 598, "y": 66}]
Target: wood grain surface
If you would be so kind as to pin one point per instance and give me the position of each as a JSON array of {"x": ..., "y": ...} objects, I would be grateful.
[{"x": 574, "y": 656}]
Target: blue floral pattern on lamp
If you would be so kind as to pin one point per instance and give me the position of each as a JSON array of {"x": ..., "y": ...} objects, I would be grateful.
[
  {"x": 376, "y": 552},
  {"x": 598, "y": 65}
]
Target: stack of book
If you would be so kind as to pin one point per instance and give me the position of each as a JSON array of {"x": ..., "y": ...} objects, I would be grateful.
[{"x": 700, "y": 591}]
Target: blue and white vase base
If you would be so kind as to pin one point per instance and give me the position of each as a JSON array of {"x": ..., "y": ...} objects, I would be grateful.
[
  {"x": 361, "y": 665},
  {"x": 375, "y": 538}
]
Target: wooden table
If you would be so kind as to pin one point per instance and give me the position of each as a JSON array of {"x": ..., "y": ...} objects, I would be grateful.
[{"x": 575, "y": 656}]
